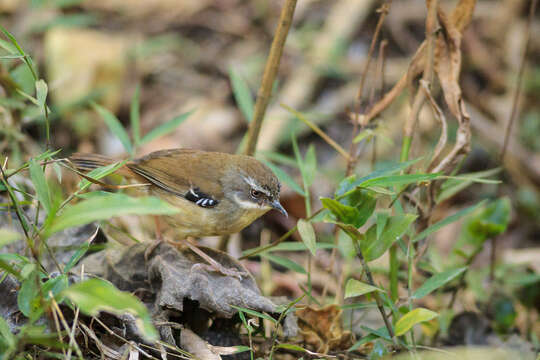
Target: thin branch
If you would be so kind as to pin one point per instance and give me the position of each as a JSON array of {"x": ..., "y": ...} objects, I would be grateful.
[
  {"x": 269, "y": 75},
  {"x": 376, "y": 295},
  {"x": 319, "y": 132},
  {"x": 420, "y": 97},
  {"x": 514, "y": 113}
]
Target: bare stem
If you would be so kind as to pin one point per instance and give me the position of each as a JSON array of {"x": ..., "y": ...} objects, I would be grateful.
[
  {"x": 514, "y": 113},
  {"x": 269, "y": 75},
  {"x": 376, "y": 295}
]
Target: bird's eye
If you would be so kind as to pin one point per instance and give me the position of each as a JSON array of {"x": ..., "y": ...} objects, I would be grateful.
[{"x": 256, "y": 194}]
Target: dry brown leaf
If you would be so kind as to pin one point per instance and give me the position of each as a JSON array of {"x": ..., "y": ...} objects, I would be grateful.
[
  {"x": 322, "y": 328},
  {"x": 447, "y": 67},
  {"x": 459, "y": 19}
]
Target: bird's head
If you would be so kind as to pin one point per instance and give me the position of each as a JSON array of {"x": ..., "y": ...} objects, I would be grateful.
[{"x": 252, "y": 185}]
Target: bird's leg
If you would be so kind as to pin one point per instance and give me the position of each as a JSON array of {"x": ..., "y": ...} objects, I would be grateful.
[
  {"x": 213, "y": 265},
  {"x": 159, "y": 239},
  {"x": 159, "y": 235}
]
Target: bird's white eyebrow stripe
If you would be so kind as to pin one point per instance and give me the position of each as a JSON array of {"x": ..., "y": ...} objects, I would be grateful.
[{"x": 251, "y": 182}]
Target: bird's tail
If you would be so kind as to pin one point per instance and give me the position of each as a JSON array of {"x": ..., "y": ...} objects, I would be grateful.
[{"x": 87, "y": 162}]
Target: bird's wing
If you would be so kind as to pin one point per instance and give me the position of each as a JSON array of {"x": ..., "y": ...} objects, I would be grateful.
[{"x": 180, "y": 170}]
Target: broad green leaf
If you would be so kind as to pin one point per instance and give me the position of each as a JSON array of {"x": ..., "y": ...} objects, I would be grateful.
[
  {"x": 242, "y": 94},
  {"x": 285, "y": 178},
  {"x": 28, "y": 297},
  {"x": 357, "y": 288},
  {"x": 8, "y": 236},
  {"x": 447, "y": 220},
  {"x": 134, "y": 115},
  {"x": 165, "y": 128},
  {"x": 412, "y": 318},
  {"x": 41, "y": 186},
  {"x": 354, "y": 209},
  {"x": 486, "y": 223},
  {"x": 105, "y": 207},
  {"x": 95, "y": 295},
  {"x": 115, "y": 126},
  {"x": 373, "y": 248},
  {"x": 436, "y": 281},
  {"x": 255, "y": 313},
  {"x": 307, "y": 233},
  {"x": 289, "y": 264}
]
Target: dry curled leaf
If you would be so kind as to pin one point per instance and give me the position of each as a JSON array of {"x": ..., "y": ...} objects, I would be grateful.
[{"x": 322, "y": 328}]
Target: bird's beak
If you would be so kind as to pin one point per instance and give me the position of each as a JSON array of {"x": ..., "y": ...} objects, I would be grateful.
[{"x": 276, "y": 205}]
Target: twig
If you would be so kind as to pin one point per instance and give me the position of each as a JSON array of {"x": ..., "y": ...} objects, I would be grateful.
[
  {"x": 270, "y": 71},
  {"x": 376, "y": 295},
  {"x": 519, "y": 80},
  {"x": 319, "y": 132},
  {"x": 427, "y": 76}
]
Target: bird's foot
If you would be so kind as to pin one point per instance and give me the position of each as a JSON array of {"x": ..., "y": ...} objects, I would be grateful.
[{"x": 216, "y": 267}]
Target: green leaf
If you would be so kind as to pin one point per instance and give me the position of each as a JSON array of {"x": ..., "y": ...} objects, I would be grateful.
[
  {"x": 285, "y": 178},
  {"x": 28, "y": 297},
  {"x": 105, "y": 207},
  {"x": 242, "y": 94},
  {"x": 456, "y": 184},
  {"x": 307, "y": 233},
  {"x": 165, "y": 128},
  {"x": 99, "y": 173},
  {"x": 436, "y": 281},
  {"x": 399, "y": 180},
  {"x": 351, "y": 182},
  {"x": 486, "y": 223},
  {"x": 299, "y": 246},
  {"x": 412, "y": 318},
  {"x": 134, "y": 115},
  {"x": 40, "y": 184},
  {"x": 8, "y": 341},
  {"x": 289, "y": 264},
  {"x": 255, "y": 313},
  {"x": 95, "y": 295},
  {"x": 8, "y": 47},
  {"x": 382, "y": 220},
  {"x": 310, "y": 165},
  {"x": 79, "y": 253},
  {"x": 354, "y": 209},
  {"x": 357, "y": 288},
  {"x": 447, "y": 220},
  {"x": 373, "y": 248},
  {"x": 115, "y": 126},
  {"x": 8, "y": 236},
  {"x": 41, "y": 94}
]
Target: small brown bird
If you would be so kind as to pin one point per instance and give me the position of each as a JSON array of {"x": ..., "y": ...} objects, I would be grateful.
[{"x": 216, "y": 193}]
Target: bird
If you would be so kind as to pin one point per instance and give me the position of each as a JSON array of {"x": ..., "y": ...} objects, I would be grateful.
[{"x": 215, "y": 193}]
